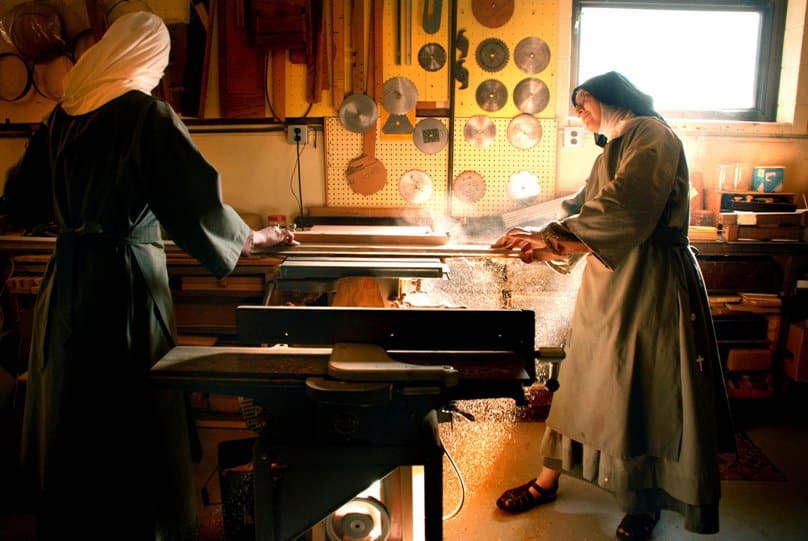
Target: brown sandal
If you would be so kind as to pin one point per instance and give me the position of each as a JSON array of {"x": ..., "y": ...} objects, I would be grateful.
[
  {"x": 637, "y": 527},
  {"x": 521, "y": 499}
]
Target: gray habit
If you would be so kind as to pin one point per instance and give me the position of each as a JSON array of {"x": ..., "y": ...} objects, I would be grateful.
[
  {"x": 109, "y": 455},
  {"x": 642, "y": 408}
]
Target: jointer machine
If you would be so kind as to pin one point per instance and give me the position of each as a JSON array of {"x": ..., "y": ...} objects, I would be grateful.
[{"x": 353, "y": 393}]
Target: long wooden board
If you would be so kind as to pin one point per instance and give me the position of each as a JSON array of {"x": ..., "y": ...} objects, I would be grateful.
[{"x": 395, "y": 235}]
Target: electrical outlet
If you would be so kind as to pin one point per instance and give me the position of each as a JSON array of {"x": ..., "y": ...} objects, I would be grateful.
[
  {"x": 573, "y": 137},
  {"x": 297, "y": 133}
]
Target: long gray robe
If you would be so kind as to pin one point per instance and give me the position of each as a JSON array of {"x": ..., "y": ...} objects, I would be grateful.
[
  {"x": 641, "y": 410},
  {"x": 110, "y": 455}
]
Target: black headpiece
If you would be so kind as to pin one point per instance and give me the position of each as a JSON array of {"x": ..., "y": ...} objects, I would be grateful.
[{"x": 612, "y": 88}]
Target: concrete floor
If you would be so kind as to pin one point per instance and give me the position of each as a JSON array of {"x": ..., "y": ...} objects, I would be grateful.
[{"x": 495, "y": 453}]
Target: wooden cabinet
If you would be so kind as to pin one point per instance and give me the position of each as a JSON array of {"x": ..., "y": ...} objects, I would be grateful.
[{"x": 754, "y": 289}]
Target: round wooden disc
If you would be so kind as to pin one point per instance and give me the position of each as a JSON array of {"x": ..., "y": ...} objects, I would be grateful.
[
  {"x": 492, "y": 13},
  {"x": 15, "y": 77}
]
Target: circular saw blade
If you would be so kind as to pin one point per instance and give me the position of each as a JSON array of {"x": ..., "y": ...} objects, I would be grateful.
[
  {"x": 531, "y": 95},
  {"x": 358, "y": 113},
  {"x": 430, "y": 135},
  {"x": 492, "y": 54},
  {"x": 415, "y": 186},
  {"x": 524, "y": 131},
  {"x": 492, "y": 14},
  {"x": 479, "y": 131},
  {"x": 523, "y": 185},
  {"x": 400, "y": 95},
  {"x": 432, "y": 56},
  {"x": 532, "y": 55},
  {"x": 469, "y": 186},
  {"x": 491, "y": 95}
]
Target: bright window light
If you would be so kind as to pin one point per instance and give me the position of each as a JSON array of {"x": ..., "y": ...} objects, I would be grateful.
[
  {"x": 719, "y": 54},
  {"x": 688, "y": 59}
]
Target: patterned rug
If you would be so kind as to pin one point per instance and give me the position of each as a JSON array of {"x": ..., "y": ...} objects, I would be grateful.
[{"x": 750, "y": 464}]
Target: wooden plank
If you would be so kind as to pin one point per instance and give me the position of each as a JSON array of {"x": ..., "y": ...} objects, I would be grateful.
[
  {"x": 368, "y": 212},
  {"x": 371, "y": 235},
  {"x": 249, "y": 284},
  {"x": 338, "y": 29}
]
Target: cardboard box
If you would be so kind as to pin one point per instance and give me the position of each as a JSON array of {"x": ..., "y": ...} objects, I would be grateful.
[
  {"x": 795, "y": 363},
  {"x": 741, "y": 359}
]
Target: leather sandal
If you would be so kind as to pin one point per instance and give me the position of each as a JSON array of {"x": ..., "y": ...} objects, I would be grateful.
[
  {"x": 637, "y": 527},
  {"x": 521, "y": 498}
]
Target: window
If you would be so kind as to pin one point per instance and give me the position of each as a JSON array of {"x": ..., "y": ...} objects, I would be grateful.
[{"x": 716, "y": 59}]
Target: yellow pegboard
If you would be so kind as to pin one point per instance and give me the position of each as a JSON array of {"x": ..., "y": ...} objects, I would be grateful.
[
  {"x": 398, "y": 157},
  {"x": 536, "y": 19},
  {"x": 497, "y": 162}
]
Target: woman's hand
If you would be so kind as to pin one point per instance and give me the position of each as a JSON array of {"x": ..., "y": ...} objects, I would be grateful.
[
  {"x": 530, "y": 244},
  {"x": 270, "y": 236}
]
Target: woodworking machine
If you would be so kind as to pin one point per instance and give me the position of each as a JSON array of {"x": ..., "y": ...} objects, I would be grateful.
[{"x": 352, "y": 393}]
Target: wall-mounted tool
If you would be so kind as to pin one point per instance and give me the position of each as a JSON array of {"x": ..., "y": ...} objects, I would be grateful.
[
  {"x": 479, "y": 131},
  {"x": 492, "y": 14},
  {"x": 366, "y": 175},
  {"x": 492, "y": 54},
  {"x": 531, "y": 55},
  {"x": 431, "y": 17},
  {"x": 459, "y": 72},
  {"x": 432, "y": 56},
  {"x": 524, "y": 131},
  {"x": 358, "y": 112},
  {"x": 531, "y": 95},
  {"x": 400, "y": 97},
  {"x": 415, "y": 186},
  {"x": 430, "y": 135},
  {"x": 469, "y": 186},
  {"x": 491, "y": 95}
]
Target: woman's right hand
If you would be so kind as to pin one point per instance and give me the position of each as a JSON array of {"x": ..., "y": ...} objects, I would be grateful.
[
  {"x": 529, "y": 243},
  {"x": 272, "y": 236}
]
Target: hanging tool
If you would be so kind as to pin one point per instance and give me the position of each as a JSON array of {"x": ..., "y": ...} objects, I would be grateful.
[
  {"x": 366, "y": 175},
  {"x": 431, "y": 17},
  {"x": 338, "y": 37}
]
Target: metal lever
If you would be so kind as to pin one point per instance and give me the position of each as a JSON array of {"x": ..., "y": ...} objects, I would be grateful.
[{"x": 554, "y": 356}]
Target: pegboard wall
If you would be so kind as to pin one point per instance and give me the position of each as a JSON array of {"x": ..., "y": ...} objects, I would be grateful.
[{"x": 495, "y": 163}]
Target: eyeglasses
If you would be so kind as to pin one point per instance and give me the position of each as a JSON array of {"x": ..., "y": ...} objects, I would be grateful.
[{"x": 579, "y": 107}]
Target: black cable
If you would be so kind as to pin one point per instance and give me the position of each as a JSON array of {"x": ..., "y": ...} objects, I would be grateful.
[{"x": 299, "y": 175}]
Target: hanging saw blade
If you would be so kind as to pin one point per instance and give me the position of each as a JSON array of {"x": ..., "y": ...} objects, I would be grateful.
[
  {"x": 491, "y": 95},
  {"x": 399, "y": 124},
  {"x": 479, "y": 131},
  {"x": 492, "y": 14},
  {"x": 400, "y": 95},
  {"x": 531, "y": 95},
  {"x": 432, "y": 56},
  {"x": 431, "y": 17},
  {"x": 492, "y": 54},
  {"x": 524, "y": 131},
  {"x": 532, "y": 55}
]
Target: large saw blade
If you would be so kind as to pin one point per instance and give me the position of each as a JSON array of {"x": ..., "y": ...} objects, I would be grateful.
[
  {"x": 358, "y": 113},
  {"x": 492, "y": 14},
  {"x": 531, "y": 55},
  {"x": 491, "y": 95},
  {"x": 432, "y": 56},
  {"x": 469, "y": 186},
  {"x": 531, "y": 95},
  {"x": 430, "y": 135},
  {"x": 524, "y": 131},
  {"x": 492, "y": 54},
  {"x": 479, "y": 131},
  {"x": 400, "y": 95},
  {"x": 415, "y": 186}
]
